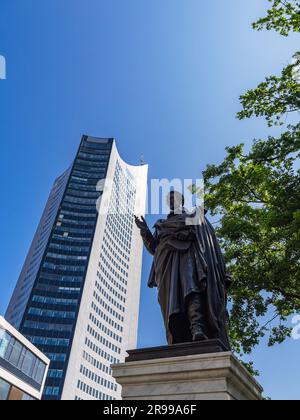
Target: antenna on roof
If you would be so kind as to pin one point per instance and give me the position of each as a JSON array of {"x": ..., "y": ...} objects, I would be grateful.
[{"x": 142, "y": 160}]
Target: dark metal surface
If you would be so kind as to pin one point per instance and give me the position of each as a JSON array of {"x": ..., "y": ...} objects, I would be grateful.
[
  {"x": 176, "y": 350},
  {"x": 188, "y": 260}
]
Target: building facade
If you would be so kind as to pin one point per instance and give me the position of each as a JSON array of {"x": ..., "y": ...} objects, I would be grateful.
[
  {"x": 21, "y": 294},
  {"x": 23, "y": 368},
  {"x": 80, "y": 305}
]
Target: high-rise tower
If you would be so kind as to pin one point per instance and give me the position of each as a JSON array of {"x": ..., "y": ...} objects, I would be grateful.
[{"x": 77, "y": 298}]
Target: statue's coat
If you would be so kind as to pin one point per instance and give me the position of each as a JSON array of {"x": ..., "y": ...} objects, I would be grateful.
[{"x": 187, "y": 259}]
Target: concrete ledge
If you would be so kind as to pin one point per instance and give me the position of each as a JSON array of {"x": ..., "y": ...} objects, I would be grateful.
[{"x": 215, "y": 376}]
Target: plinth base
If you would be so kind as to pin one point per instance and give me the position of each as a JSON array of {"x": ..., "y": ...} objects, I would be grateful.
[{"x": 189, "y": 371}]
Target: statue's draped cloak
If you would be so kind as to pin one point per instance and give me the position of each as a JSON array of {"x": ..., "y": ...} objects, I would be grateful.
[{"x": 188, "y": 259}]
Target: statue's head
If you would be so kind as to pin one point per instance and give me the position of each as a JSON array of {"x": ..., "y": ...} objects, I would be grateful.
[{"x": 175, "y": 201}]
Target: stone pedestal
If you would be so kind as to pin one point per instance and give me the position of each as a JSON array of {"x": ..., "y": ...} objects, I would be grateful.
[{"x": 192, "y": 371}]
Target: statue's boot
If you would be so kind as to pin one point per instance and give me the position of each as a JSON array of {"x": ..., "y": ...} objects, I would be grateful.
[{"x": 196, "y": 316}]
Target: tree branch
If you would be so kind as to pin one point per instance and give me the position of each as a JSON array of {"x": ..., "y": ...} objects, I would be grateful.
[{"x": 288, "y": 296}]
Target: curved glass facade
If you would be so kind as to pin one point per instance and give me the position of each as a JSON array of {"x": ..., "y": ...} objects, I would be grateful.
[
  {"x": 50, "y": 317},
  {"x": 30, "y": 269},
  {"x": 81, "y": 305}
]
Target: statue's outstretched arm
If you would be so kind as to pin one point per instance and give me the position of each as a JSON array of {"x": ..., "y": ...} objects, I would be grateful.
[{"x": 149, "y": 240}]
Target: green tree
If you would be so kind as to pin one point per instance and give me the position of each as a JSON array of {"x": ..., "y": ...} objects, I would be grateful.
[
  {"x": 256, "y": 196},
  {"x": 274, "y": 98},
  {"x": 283, "y": 16}
]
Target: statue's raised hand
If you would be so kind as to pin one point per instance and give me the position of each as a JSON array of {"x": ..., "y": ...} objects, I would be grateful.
[{"x": 141, "y": 223}]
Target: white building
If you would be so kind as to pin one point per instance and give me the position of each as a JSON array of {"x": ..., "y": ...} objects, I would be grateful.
[
  {"x": 23, "y": 368},
  {"x": 81, "y": 305}
]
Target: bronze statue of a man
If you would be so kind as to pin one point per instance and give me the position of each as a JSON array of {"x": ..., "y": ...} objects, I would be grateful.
[{"x": 190, "y": 274}]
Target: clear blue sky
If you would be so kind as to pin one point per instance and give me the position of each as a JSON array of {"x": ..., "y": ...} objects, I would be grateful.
[{"x": 161, "y": 76}]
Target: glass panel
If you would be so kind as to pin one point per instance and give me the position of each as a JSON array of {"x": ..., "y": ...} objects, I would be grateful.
[
  {"x": 15, "y": 353},
  {"x": 4, "y": 340},
  {"x": 4, "y": 390},
  {"x": 28, "y": 363},
  {"x": 55, "y": 373},
  {"x": 35, "y": 368},
  {"x": 40, "y": 373},
  {"x": 27, "y": 397},
  {"x": 21, "y": 360},
  {"x": 51, "y": 391}
]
